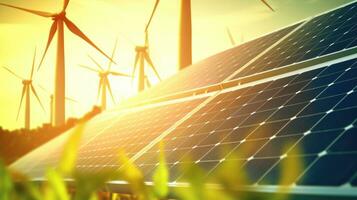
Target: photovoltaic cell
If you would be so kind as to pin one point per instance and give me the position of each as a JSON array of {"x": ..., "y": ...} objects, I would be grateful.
[
  {"x": 308, "y": 117},
  {"x": 325, "y": 34}
]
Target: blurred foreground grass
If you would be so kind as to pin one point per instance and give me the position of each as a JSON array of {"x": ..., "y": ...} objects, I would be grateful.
[{"x": 15, "y": 186}]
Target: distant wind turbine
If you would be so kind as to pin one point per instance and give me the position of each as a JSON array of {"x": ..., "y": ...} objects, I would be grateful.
[
  {"x": 233, "y": 42},
  {"x": 142, "y": 56},
  {"x": 185, "y": 33},
  {"x": 59, "y": 20},
  {"x": 26, "y": 91},
  {"x": 231, "y": 38},
  {"x": 104, "y": 84},
  {"x": 52, "y": 102}
]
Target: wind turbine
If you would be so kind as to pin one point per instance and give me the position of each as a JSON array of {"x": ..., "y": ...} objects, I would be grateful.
[
  {"x": 104, "y": 84},
  {"x": 231, "y": 38},
  {"x": 142, "y": 56},
  {"x": 185, "y": 33},
  {"x": 52, "y": 102},
  {"x": 26, "y": 91},
  {"x": 59, "y": 21}
]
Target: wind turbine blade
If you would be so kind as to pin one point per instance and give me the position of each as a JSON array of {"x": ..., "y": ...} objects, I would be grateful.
[
  {"x": 65, "y": 4},
  {"x": 135, "y": 66},
  {"x": 33, "y": 64},
  {"x": 70, "y": 99},
  {"x": 119, "y": 74},
  {"x": 152, "y": 15},
  {"x": 96, "y": 63},
  {"x": 146, "y": 39},
  {"x": 267, "y": 4},
  {"x": 75, "y": 30},
  {"x": 43, "y": 88},
  {"x": 13, "y": 73},
  {"x": 22, "y": 97},
  {"x": 89, "y": 68},
  {"x": 231, "y": 37},
  {"x": 38, "y": 98},
  {"x": 127, "y": 38},
  {"x": 110, "y": 90},
  {"x": 99, "y": 88},
  {"x": 35, "y": 12},
  {"x": 53, "y": 31},
  {"x": 148, "y": 59},
  {"x": 113, "y": 53}
]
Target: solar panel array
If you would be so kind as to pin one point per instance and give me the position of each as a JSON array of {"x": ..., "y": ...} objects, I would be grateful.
[
  {"x": 328, "y": 33},
  {"x": 309, "y": 114},
  {"x": 315, "y": 111}
]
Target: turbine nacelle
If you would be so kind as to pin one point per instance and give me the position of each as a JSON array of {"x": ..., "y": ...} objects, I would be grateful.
[
  {"x": 141, "y": 48},
  {"x": 59, "y": 16},
  {"x": 27, "y": 82},
  {"x": 103, "y": 74}
]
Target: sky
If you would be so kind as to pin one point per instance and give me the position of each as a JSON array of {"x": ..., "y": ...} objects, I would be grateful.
[{"x": 104, "y": 22}]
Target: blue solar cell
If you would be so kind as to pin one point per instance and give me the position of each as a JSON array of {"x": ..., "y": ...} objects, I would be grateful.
[
  {"x": 239, "y": 134},
  {"x": 257, "y": 118},
  {"x": 337, "y": 119},
  {"x": 305, "y": 95},
  {"x": 267, "y": 130},
  {"x": 315, "y": 142},
  {"x": 346, "y": 143},
  {"x": 330, "y": 170},
  {"x": 278, "y": 146},
  {"x": 288, "y": 111},
  {"x": 349, "y": 101},
  {"x": 300, "y": 124},
  {"x": 257, "y": 167},
  {"x": 276, "y": 175},
  {"x": 340, "y": 88},
  {"x": 247, "y": 148},
  {"x": 321, "y": 105},
  {"x": 352, "y": 74},
  {"x": 339, "y": 67},
  {"x": 218, "y": 152},
  {"x": 276, "y": 102},
  {"x": 322, "y": 81}
]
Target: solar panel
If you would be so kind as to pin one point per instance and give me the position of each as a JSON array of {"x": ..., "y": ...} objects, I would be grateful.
[
  {"x": 105, "y": 135},
  {"x": 331, "y": 32},
  {"x": 306, "y": 113},
  {"x": 315, "y": 111}
]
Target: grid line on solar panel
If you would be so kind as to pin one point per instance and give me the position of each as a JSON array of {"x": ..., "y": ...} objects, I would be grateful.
[
  {"x": 293, "y": 90},
  {"x": 325, "y": 34}
]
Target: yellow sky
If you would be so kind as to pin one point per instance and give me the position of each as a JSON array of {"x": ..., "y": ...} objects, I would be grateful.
[{"x": 104, "y": 21}]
